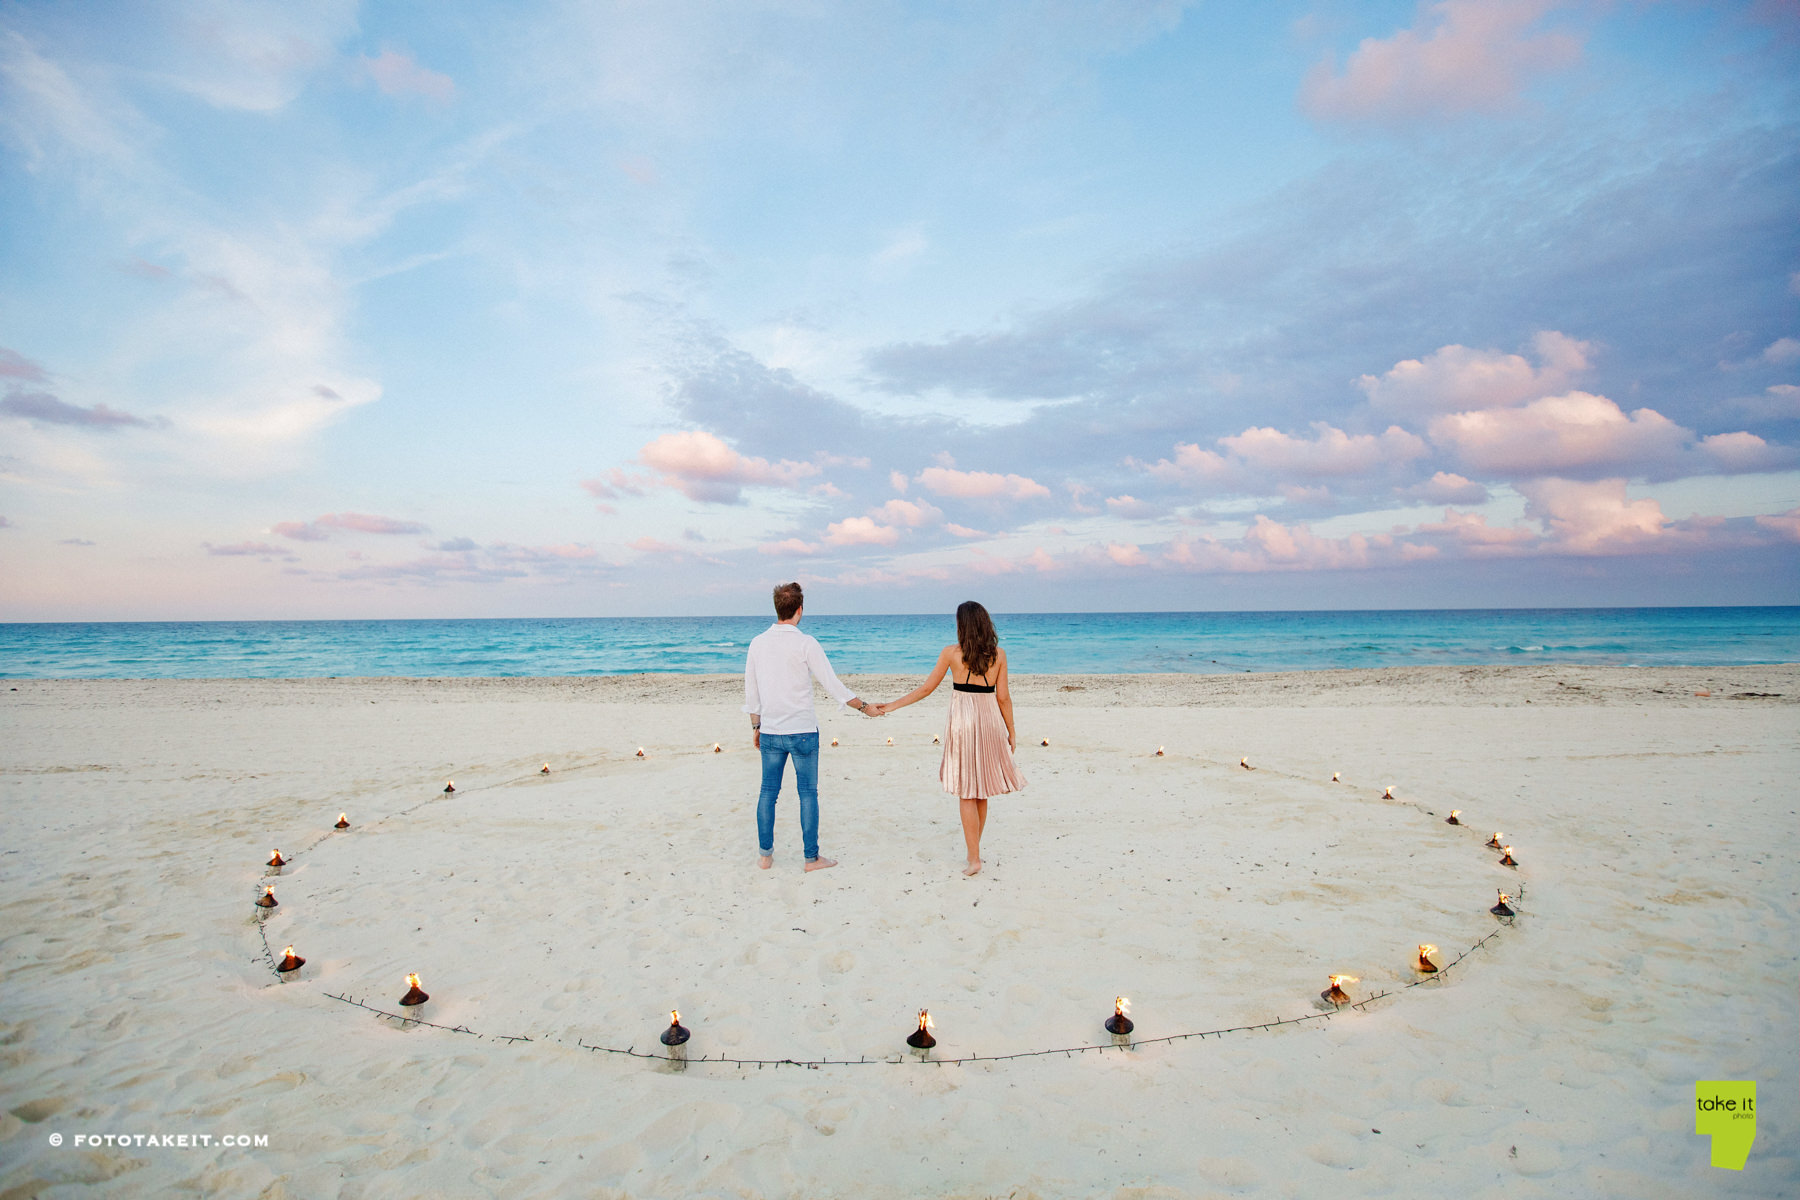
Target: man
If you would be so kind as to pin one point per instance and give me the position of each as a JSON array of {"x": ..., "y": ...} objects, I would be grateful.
[{"x": 778, "y": 678}]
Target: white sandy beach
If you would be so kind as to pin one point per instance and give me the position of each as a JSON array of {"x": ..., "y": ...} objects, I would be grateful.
[{"x": 1658, "y": 941}]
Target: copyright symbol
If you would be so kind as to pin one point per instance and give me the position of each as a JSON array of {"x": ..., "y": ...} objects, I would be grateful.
[{"x": 56, "y": 1139}]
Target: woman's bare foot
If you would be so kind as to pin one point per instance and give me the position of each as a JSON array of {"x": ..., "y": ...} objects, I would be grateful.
[
  {"x": 974, "y": 867},
  {"x": 766, "y": 861},
  {"x": 820, "y": 863}
]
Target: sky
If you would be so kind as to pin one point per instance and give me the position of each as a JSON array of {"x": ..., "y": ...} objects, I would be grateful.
[{"x": 590, "y": 309}]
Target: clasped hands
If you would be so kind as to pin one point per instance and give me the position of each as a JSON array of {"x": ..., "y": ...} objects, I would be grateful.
[{"x": 874, "y": 710}]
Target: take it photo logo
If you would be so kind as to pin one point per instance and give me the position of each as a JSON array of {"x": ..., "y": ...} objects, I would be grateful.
[{"x": 1726, "y": 1110}]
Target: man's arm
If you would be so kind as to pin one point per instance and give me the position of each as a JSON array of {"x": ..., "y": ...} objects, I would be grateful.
[
  {"x": 820, "y": 666},
  {"x": 753, "y": 701}
]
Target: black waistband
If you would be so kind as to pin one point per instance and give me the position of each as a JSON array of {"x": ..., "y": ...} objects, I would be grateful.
[{"x": 972, "y": 687}]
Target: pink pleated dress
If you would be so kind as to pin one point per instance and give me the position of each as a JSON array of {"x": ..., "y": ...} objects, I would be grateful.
[{"x": 978, "y": 763}]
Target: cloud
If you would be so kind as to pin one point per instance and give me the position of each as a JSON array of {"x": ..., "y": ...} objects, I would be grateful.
[
  {"x": 860, "y": 531},
  {"x": 1330, "y": 452},
  {"x": 1269, "y": 545},
  {"x": 1455, "y": 378},
  {"x": 455, "y": 544},
  {"x": 241, "y": 549},
  {"x": 1133, "y": 509},
  {"x": 14, "y": 365},
  {"x": 907, "y": 512},
  {"x": 903, "y": 247},
  {"x": 1594, "y": 517},
  {"x": 1126, "y": 554},
  {"x": 789, "y": 546},
  {"x": 1478, "y": 538},
  {"x": 1785, "y": 524},
  {"x": 703, "y": 468},
  {"x": 1447, "y": 487},
  {"x": 964, "y": 531},
  {"x": 46, "y": 409},
  {"x": 897, "y": 480},
  {"x": 1579, "y": 433},
  {"x": 75, "y": 542},
  {"x": 318, "y": 529},
  {"x": 1473, "y": 56},
  {"x": 1782, "y": 351},
  {"x": 397, "y": 74},
  {"x": 980, "y": 485}
]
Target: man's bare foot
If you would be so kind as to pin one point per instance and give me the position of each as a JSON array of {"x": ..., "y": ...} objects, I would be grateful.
[
  {"x": 974, "y": 867},
  {"x": 820, "y": 863},
  {"x": 766, "y": 861}
]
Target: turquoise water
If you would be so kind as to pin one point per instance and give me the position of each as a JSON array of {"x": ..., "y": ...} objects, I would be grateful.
[{"x": 1037, "y": 643}]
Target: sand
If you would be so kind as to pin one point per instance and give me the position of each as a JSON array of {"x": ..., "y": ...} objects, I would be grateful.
[{"x": 1656, "y": 944}]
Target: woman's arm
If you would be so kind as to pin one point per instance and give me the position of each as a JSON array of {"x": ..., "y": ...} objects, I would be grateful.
[
  {"x": 1004, "y": 696},
  {"x": 924, "y": 689}
]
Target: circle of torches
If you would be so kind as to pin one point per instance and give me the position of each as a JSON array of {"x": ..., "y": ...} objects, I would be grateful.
[{"x": 1119, "y": 1024}]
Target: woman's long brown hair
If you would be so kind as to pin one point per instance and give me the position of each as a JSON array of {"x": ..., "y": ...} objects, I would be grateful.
[{"x": 975, "y": 634}]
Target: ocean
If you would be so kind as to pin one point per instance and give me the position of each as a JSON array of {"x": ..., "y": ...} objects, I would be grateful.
[{"x": 1036, "y": 643}]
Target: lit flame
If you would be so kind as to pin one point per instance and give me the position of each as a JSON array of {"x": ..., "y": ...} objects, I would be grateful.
[
  {"x": 924, "y": 1019},
  {"x": 1121, "y": 1006},
  {"x": 834, "y": 741},
  {"x": 1244, "y": 762},
  {"x": 274, "y": 856},
  {"x": 890, "y": 741},
  {"x": 343, "y": 816},
  {"x": 268, "y": 891},
  {"x": 1387, "y": 793},
  {"x": 1426, "y": 949},
  {"x": 288, "y": 953},
  {"x": 674, "y": 1018},
  {"x": 1334, "y": 777},
  {"x": 1456, "y": 812},
  {"x": 1504, "y": 897},
  {"x": 1506, "y": 850},
  {"x": 412, "y": 979},
  {"x": 1340, "y": 980}
]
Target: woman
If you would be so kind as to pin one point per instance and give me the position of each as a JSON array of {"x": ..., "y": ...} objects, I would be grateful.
[{"x": 979, "y": 742}]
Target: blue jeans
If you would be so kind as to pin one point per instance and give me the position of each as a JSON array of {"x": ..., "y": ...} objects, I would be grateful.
[{"x": 776, "y": 748}]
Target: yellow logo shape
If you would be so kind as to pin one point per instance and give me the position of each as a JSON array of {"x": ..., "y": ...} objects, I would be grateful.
[{"x": 1726, "y": 1109}]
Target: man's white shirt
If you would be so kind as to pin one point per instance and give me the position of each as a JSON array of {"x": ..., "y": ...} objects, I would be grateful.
[{"x": 778, "y": 675}]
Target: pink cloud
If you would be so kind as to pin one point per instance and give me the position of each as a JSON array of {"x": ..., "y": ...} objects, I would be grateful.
[
  {"x": 860, "y": 531},
  {"x": 963, "y": 531},
  {"x": 981, "y": 485},
  {"x": 1744, "y": 452},
  {"x": 1559, "y": 434},
  {"x": 14, "y": 365},
  {"x": 317, "y": 529},
  {"x": 1477, "y": 538},
  {"x": 1782, "y": 351},
  {"x": 702, "y": 467},
  {"x": 1447, "y": 487},
  {"x": 1126, "y": 554},
  {"x": 789, "y": 546},
  {"x": 1131, "y": 508},
  {"x": 649, "y": 545},
  {"x": 907, "y": 512},
  {"x": 1271, "y": 546},
  {"x": 1457, "y": 379},
  {"x": 1475, "y": 56},
  {"x": 897, "y": 480},
  {"x": 1330, "y": 452},
  {"x": 1786, "y": 524},
  {"x": 1594, "y": 518},
  {"x": 396, "y": 74}
]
